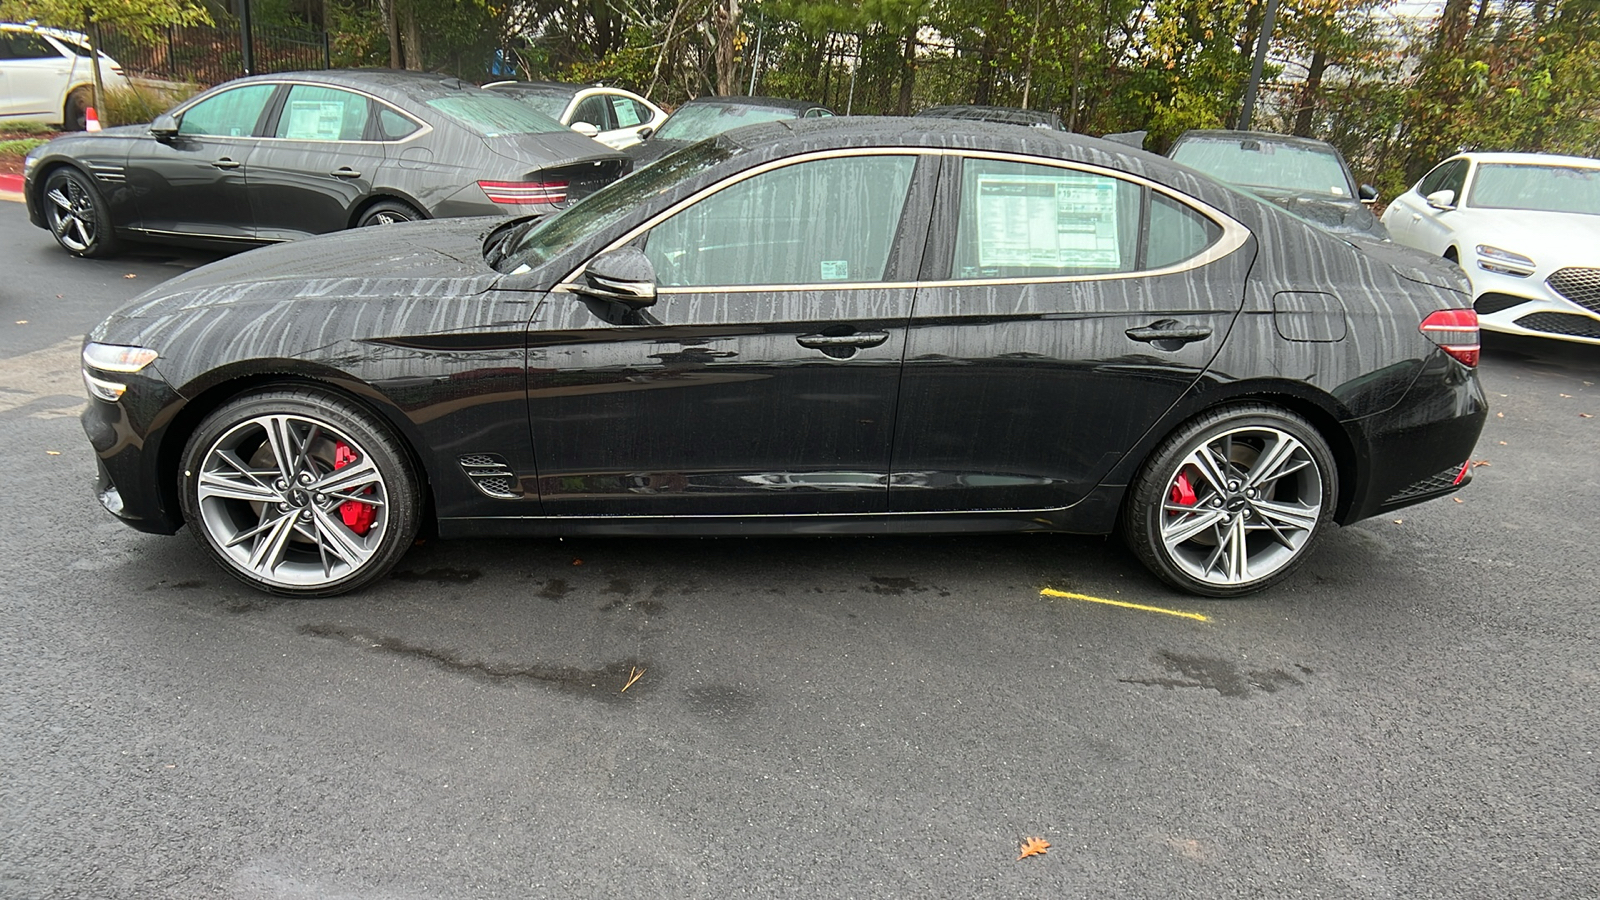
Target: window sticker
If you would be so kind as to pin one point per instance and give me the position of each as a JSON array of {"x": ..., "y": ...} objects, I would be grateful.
[
  {"x": 836, "y": 270},
  {"x": 1066, "y": 221},
  {"x": 627, "y": 112},
  {"x": 315, "y": 120}
]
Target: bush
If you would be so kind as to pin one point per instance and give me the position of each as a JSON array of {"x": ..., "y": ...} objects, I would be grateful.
[
  {"x": 20, "y": 146},
  {"x": 142, "y": 103}
]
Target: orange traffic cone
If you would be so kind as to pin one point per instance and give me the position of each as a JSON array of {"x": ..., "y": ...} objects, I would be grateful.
[{"x": 91, "y": 122}]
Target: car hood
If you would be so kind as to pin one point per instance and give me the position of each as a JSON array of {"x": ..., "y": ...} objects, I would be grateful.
[
  {"x": 1549, "y": 238},
  {"x": 1329, "y": 214},
  {"x": 434, "y": 258}
]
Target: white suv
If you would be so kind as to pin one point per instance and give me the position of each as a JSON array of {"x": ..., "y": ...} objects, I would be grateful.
[{"x": 45, "y": 76}]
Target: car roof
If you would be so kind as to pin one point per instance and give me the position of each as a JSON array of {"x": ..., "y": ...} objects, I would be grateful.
[
  {"x": 1007, "y": 114},
  {"x": 1529, "y": 159},
  {"x": 763, "y": 102},
  {"x": 390, "y": 84}
]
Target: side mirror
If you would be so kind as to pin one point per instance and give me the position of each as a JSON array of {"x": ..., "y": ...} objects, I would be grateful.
[
  {"x": 165, "y": 127},
  {"x": 1368, "y": 194},
  {"x": 645, "y": 132},
  {"x": 585, "y": 129},
  {"x": 1442, "y": 200},
  {"x": 622, "y": 276}
]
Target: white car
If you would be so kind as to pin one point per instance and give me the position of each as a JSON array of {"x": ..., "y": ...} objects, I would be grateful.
[
  {"x": 45, "y": 76},
  {"x": 614, "y": 117},
  {"x": 1525, "y": 227}
]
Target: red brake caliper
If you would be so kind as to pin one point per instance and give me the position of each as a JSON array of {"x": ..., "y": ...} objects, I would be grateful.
[
  {"x": 357, "y": 516},
  {"x": 1183, "y": 491}
]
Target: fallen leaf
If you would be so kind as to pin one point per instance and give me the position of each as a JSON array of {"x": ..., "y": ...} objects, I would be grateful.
[
  {"x": 634, "y": 674},
  {"x": 25, "y": 321},
  {"x": 1568, "y": 396},
  {"x": 1503, "y": 443},
  {"x": 1399, "y": 521},
  {"x": 1456, "y": 499},
  {"x": 1479, "y": 462},
  {"x": 1034, "y": 847},
  {"x": 1585, "y": 415},
  {"x": 130, "y": 275},
  {"x": 53, "y": 452},
  {"x": 577, "y": 562}
]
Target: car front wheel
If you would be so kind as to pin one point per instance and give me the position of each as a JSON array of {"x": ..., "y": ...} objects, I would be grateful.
[
  {"x": 1232, "y": 502},
  {"x": 298, "y": 491},
  {"x": 77, "y": 214}
]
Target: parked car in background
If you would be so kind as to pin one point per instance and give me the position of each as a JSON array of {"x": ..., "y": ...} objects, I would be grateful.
[
  {"x": 1005, "y": 115},
  {"x": 46, "y": 75},
  {"x": 612, "y": 116},
  {"x": 1308, "y": 177},
  {"x": 889, "y": 325},
  {"x": 279, "y": 157},
  {"x": 1525, "y": 227},
  {"x": 708, "y": 116}
]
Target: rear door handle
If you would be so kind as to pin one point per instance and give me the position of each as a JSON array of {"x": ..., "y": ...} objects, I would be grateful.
[
  {"x": 1169, "y": 334},
  {"x": 345, "y": 172},
  {"x": 830, "y": 341},
  {"x": 226, "y": 163}
]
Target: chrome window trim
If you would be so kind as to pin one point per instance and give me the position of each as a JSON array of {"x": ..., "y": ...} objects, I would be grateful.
[
  {"x": 1234, "y": 234},
  {"x": 423, "y": 129}
]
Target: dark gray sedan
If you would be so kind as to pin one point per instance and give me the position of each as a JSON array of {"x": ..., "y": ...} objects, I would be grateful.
[{"x": 279, "y": 157}]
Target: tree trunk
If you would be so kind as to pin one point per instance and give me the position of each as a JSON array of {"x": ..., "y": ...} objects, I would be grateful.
[
  {"x": 725, "y": 21},
  {"x": 391, "y": 27},
  {"x": 908, "y": 70},
  {"x": 413, "y": 39},
  {"x": 90, "y": 33},
  {"x": 1308, "y": 93}
]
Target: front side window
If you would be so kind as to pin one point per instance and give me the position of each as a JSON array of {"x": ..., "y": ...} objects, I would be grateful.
[
  {"x": 316, "y": 113},
  {"x": 27, "y": 46},
  {"x": 1447, "y": 176},
  {"x": 232, "y": 113},
  {"x": 826, "y": 220},
  {"x": 593, "y": 110}
]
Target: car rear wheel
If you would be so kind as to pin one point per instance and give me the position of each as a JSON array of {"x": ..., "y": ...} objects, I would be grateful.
[
  {"x": 299, "y": 492},
  {"x": 388, "y": 212},
  {"x": 77, "y": 214},
  {"x": 75, "y": 114},
  {"x": 1232, "y": 502}
]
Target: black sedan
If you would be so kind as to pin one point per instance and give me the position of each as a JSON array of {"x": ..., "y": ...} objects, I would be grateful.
[
  {"x": 280, "y": 157},
  {"x": 1308, "y": 177},
  {"x": 706, "y": 117},
  {"x": 856, "y": 326}
]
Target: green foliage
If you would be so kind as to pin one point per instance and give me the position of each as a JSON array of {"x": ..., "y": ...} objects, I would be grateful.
[
  {"x": 24, "y": 128},
  {"x": 20, "y": 146},
  {"x": 137, "y": 105},
  {"x": 139, "y": 16}
]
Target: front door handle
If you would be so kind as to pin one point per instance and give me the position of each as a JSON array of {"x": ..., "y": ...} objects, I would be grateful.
[
  {"x": 835, "y": 341},
  {"x": 226, "y": 163},
  {"x": 345, "y": 172},
  {"x": 1169, "y": 334}
]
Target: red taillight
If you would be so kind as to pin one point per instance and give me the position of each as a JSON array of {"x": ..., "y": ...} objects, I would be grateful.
[
  {"x": 522, "y": 192},
  {"x": 1456, "y": 333}
]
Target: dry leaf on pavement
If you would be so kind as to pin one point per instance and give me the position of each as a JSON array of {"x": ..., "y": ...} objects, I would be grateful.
[{"x": 1034, "y": 847}]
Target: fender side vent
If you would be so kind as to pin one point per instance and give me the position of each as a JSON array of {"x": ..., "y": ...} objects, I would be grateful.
[{"x": 491, "y": 474}]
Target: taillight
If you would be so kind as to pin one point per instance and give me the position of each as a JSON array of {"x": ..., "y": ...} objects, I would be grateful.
[
  {"x": 522, "y": 192},
  {"x": 1456, "y": 333}
]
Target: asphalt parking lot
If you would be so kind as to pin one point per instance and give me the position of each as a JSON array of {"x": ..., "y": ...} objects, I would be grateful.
[{"x": 1410, "y": 716}]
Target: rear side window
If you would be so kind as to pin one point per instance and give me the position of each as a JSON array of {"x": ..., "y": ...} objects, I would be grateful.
[
  {"x": 1176, "y": 233},
  {"x": 392, "y": 126},
  {"x": 232, "y": 113},
  {"x": 814, "y": 222},
  {"x": 315, "y": 113},
  {"x": 629, "y": 112}
]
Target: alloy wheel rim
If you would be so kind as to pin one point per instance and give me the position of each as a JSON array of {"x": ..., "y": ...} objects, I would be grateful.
[
  {"x": 389, "y": 218},
  {"x": 292, "y": 501},
  {"x": 1241, "y": 506},
  {"x": 71, "y": 215}
]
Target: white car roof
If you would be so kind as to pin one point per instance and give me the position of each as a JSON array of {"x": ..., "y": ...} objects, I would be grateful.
[{"x": 1527, "y": 159}]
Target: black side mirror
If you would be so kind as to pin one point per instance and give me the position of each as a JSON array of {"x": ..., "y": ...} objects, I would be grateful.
[
  {"x": 622, "y": 276},
  {"x": 1369, "y": 194},
  {"x": 645, "y": 132},
  {"x": 165, "y": 127}
]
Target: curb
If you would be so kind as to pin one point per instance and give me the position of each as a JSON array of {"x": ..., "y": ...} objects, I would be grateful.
[{"x": 10, "y": 187}]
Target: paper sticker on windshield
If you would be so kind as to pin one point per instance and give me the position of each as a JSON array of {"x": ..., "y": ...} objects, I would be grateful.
[
  {"x": 835, "y": 270},
  {"x": 315, "y": 120},
  {"x": 1063, "y": 221}
]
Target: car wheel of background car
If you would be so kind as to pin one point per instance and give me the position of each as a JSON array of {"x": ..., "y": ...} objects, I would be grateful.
[
  {"x": 74, "y": 116},
  {"x": 76, "y": 214},
  {"x": 1231, "y": 502},
  {"x": 300, "y": 492},
  {"x": 389, "y": 212}
]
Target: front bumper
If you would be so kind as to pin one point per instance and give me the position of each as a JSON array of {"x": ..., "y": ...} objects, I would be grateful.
[
  {"x": 1561, "y": 302},
  {"x": 126, "y": 437}
]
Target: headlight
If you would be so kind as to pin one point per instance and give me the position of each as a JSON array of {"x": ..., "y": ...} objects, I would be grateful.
[
  {"x": 1493, "y": 259},
  {"x": 112, "y": 358}
]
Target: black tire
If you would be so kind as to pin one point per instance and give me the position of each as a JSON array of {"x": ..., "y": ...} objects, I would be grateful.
[
  {"x": 388, "y": 212},
  {"x": 278, "y": 514},
  {"x": 74, "y": 114},
  {"x": 1232, "y": 501},
  {"x": 76, "y": 214}
]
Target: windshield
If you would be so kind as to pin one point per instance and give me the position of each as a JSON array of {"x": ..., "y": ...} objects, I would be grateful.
[
  {"x": 703, "y": 120},
  {"x": 1567, "y": 189},
  {"x": 1267, "y": 165},
  {"x": 549, "y": 238},
  {"x": 492, "y": 115}
]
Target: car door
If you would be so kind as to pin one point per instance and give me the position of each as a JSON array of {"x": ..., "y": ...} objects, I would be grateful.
[
  {"x": 315, "y": 164},
  {"x": 629, "y": 116},
  {"x": 34, "y": 73},
  {"x": 193, "y": 183},
  {"x": 594, "y": 110},
  {"x": 765, "y": 378},
  {"x": 1415, "y": 223},
  {"x": 1066, "y": 311}
]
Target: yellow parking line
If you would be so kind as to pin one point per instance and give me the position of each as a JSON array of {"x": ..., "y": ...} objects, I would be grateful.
[{"x": 1052, "y": 592}]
